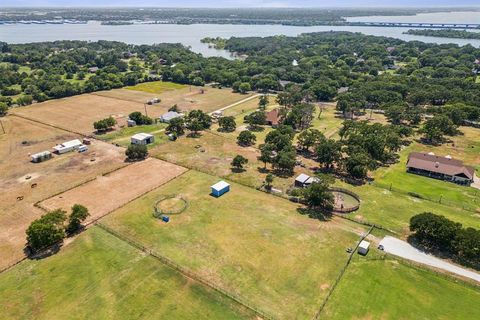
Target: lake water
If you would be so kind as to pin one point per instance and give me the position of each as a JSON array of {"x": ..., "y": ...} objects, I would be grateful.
[{"x": 190, "y": 35}]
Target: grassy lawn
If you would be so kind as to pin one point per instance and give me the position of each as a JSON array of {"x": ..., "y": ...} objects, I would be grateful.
[
  {"x": 101, "y": 277},
  {"x": 250, "y": 243},
  {"x": 156, "y": 86},
  {"x": 465, "y": 147},
  {"x": 389, "y": 289},
  {"x": 123, "y": 135},
  {"x": 393, "y": 210}
]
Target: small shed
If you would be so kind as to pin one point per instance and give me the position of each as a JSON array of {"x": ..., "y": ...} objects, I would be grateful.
[
  {"x": 220, "y": 188},
  {"x": 167, "y": 117},
  {"x": 363, "y": 247},
  {"x": 301, "y": 180},
  {"x": 142, "y": 138},
  {"x": 67, "y": 146},
  {"x": 41, "y": 156}
]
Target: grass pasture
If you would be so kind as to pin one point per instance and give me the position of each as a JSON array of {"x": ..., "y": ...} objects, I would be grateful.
[
  {"x": 36, "y": 181},
  {"x": 156, "y": 87},
  {"x": 123, "y": 135},
  {"x": 250, "y": 243},
  {"x": 390, "y": 289},
  {"x": 78, "y": 113},
  {"x": 99, "y": 276},
  {"x": 109, "y": 192}
]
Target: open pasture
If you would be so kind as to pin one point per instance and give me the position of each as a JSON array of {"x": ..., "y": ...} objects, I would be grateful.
[
  {"x": 23, "y": 183},
  {"x": 109, "y": 192},
  {"x": 99, "y": 276},
  {"x": 78, "y": 113},
  {"x": 212, "y": 153},
  {"x": 391, "y": 289},
  {"x": 250, "y": 243}
]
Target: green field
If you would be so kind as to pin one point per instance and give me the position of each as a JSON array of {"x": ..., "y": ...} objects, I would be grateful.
[
  {"x": 250, "y": 243},
  {"x": 393, "y": 210},
  {"x": 122, "y": 136},
  {"x": 101, "y": 277},
  {"x": 389, "y": 289},
  {"x": 156, "y": 86}
]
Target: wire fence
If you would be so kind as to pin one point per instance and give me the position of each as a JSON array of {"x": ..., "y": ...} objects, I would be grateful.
[
  {"x": 340, "y": 275},
  {"x": 472, "y": 206},
  {"x": 188, "y": 273}
]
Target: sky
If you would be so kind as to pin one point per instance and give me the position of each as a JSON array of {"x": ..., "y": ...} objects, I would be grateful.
[{"x": 243, "y": 3}]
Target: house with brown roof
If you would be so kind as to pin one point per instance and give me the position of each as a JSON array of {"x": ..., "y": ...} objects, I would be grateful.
[
  {"x": 273, "y": 118},
  {"x": 439, "y": 167}
]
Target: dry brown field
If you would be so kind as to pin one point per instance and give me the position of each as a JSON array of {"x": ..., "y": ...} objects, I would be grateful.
[
  {"x": 23, "y": 183},
  {"x": 107, "y": 193}
]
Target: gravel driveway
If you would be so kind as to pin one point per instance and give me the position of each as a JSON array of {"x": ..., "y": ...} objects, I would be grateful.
[{"x": 405, "y": 250}]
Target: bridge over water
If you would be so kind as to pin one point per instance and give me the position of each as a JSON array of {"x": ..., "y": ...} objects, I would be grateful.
[{"x": 418, "y": 25}]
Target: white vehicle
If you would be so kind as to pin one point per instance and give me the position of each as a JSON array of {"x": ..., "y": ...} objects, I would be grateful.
[{"x": 82, "y": 148}]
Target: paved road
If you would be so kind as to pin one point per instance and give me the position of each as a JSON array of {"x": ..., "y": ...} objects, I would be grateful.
[{"x": 405, "y": 250}]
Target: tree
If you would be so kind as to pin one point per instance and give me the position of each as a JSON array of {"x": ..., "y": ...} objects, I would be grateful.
[
  {"x": 396, "y": 114},
  {"x": 136, "y": 152},
  {"x": 47, "y": 230},
  {"x": 256, "y": 119},
  {"x": 176, "y": 126},
  {"x": 246, "y": 138},
  {"x": 244, "y": 87},
  {"x": 435, "y": 128},
  {"x": 3, "y": 109},
  {"x": 268, "y": 181},
  {"x": 104, "y": 124},
  {"x": 286, "y": 159},
  {"x": 238, "y": 162},
  {"x": 266, "y": 153},
  {"x": 174, "y": 108},
  {"x": 140, "y": 119},
  {"x": 197, "y": 120},
  {"x": 434, "y": 231},
  {"x": 328, "y": 152},
  {"x": 309, "y": 138},
  {"x": 318, "y": 195},
  {"x": 263, "y": 102},
  {"x": 300, "y": 116},
  {"x": 78, "y": 215},
  {"x": 357, "y": 165},
  {"x": 227, "y": 124}
]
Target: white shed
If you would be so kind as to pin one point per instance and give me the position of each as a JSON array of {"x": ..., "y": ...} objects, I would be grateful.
[
  {"x": 167, "y": 117},
  {"x": 142, "y": 138},
  {"x": 363, "y": 247},
  {"x": 67, "y": 146}
]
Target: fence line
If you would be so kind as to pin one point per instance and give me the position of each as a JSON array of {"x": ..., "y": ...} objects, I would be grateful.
[
  {"x": 441, "y": 199},
  {"x": 187, "y": 273},
  {"x": 339, "y": 277}
]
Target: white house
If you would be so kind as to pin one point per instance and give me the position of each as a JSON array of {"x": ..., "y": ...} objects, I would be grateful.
[
  {"x": 167, "y": 117},
  {"x": 363, "y": 247},
  {"x": 67, "y": 146},
  {"x": 142, "y": 138}
]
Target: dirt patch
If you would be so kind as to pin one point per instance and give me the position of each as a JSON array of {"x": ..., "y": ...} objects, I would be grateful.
[{"x": 107, "y": 193}]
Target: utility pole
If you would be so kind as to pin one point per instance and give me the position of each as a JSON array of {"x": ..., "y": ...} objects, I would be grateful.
[
  {"x": 3, "y": 129},
  {"x": 145, "y": 106}
]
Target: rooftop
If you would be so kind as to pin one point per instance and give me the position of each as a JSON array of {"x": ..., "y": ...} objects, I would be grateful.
[
  {"x": 141, "y": 136},
  {"x": 220, "y": 185},
  {"x": 438, "y": 164}
]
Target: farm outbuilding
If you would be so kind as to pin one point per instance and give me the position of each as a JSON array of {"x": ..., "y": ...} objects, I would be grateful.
[
  {"x": 67, "y": 146},
  {"x": 142, "y": 138},
  {"x": 220, "y": 188},
  {"x": 167, "y": 117},
  {"x": 303, "y": 180},
  {"x": 41, "y": 156},
  {"x": 363, "y": 247}
]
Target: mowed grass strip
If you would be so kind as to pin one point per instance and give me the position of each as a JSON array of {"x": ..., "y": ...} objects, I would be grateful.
[
  {"x": 99, "y": 276},
  {"x": 389, "y": 289},
  {"x": 248, "y": 242},
  {"x": 156, "y": 86}
]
